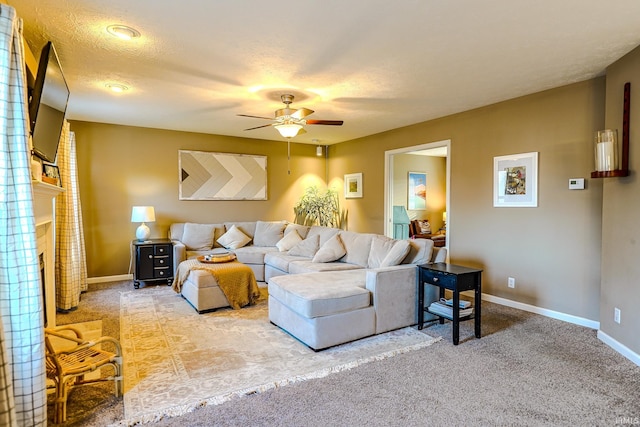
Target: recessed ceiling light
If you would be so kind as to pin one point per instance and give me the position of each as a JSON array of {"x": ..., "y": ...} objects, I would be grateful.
[
  {"x": 123, "y": 32},
  {"x": 115, "y": 87}
]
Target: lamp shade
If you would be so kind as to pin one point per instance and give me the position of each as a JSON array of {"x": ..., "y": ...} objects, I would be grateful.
[
  {"x": 288, "y": 130},
  {"x": 143, "y": 214}
]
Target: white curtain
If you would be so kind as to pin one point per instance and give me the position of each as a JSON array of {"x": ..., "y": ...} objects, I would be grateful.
[
  {"x": 22, "y": 366},
  {"x": 71, "y": 263}
]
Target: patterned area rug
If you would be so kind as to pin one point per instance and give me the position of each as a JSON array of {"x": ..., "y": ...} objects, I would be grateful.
[{"x": 176, "y": 360}]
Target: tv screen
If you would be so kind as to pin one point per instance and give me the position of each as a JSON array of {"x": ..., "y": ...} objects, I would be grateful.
[{"x": 48, "y": 105}]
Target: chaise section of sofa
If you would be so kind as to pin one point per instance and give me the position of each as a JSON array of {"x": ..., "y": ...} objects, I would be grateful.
[{"x": 352, "y": 300}]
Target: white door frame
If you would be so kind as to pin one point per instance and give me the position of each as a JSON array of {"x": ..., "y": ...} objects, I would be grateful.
[{"x": 388, "y": 179}]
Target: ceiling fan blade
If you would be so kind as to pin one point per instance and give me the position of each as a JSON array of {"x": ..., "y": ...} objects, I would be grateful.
[
  {"x": 325, "y": 122},
  {"x": 301, "y": 113},
  {"x": 258, "y": 127},
  {"x": 254, "y": 117}
]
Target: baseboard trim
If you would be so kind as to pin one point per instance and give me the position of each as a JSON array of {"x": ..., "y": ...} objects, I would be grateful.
[
  {"x": 593, "y": 324},
  {"x": 103, "y": 279},
  {"x": 620, "y": 348}
]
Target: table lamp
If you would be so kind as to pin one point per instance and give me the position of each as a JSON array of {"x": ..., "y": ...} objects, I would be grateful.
[{"x": 143, "y": 214}]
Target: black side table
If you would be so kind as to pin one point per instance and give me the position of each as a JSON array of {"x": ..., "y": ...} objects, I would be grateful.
[
  {"x": 455, "y": 278},
  {"x": 153, "y": 261}
]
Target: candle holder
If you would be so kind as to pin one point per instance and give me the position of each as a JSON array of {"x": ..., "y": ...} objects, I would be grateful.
[{"x": 606, "y": 150}]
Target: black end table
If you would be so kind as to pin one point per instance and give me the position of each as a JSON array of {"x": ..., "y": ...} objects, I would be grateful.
[
  {"x": 153, "y": 261},
  {"x": 455, "y": 278}
]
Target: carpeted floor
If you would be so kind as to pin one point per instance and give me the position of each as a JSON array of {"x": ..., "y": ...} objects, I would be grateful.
[
  {"x": 177, "y": 360},
  {"x": 527, "y": 370}
]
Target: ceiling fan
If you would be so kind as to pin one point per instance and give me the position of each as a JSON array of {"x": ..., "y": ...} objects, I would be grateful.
[{"x": 289, "y": 121}]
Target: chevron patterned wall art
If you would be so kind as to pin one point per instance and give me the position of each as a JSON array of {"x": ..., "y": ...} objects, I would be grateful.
[{"x": 221, "y": 176}]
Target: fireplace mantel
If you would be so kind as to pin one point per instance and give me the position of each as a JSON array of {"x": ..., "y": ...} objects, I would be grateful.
[
  {"x": 43, "y": 199},
  {"x": 44, "y": 212}
]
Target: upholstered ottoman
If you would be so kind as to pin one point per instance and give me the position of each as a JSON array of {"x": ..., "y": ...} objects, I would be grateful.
[
  {"x": 211, "y": 286},
  {"x": 317, "y": 307},
  {"x": 201, "y": 290}
]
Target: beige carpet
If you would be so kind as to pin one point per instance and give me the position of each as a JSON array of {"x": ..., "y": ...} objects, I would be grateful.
[{"x": 177, "y": 360}]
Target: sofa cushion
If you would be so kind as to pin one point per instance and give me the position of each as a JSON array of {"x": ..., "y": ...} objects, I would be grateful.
[
  {"x": 306, "y": 248},
  {"x": 234, "y": 238},
  {"x": 268, "y": 233},
  {"x": 176, "y": 230},
  {"x": 247, "y": 227},
  {"x": 288, "y": 241},
  {"x": 198, "y": 237},
  {"x": 357, "y": 247},
  {"x": 281, "y": 260},
  {"x": 380, "y": 247},
  {"x": 419, "y": 252},
  {"x": 315, "y": 295},
  {"x": 397, "y": 254},
  {"x": 302, "y": 230},
  {"x": 308, "y": 266},
  {"x": 325, "y": 233},
  {"x": 332, "y": 250},
  {"x": 253, "y": 254}
]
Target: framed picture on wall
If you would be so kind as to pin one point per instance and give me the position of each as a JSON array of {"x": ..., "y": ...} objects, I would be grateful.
[
  {"x": 417, "y": 191},
  {"x": 205, "y": 175},
  {"x": 353, "y": 185},
  {"x": 515, "y": 180}
]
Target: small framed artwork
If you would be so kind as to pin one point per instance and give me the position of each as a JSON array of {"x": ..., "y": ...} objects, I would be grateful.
[
  {"x": 51, "y": 174},
  {"x": 417, "y": 191},
  {"x": 515, "y": 180},
  {"x": 353, "y": 185}
]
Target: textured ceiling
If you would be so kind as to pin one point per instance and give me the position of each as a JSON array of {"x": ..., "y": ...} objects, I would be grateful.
[{"x": 377, "y": 65}]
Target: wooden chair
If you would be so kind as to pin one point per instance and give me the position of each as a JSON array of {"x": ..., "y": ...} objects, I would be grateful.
[
  {"x": 67, "y": 367},
  {"x": 439, "y": 240}
]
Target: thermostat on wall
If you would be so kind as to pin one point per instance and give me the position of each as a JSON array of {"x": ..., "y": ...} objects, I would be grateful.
[{"x": 576, "y": 183}]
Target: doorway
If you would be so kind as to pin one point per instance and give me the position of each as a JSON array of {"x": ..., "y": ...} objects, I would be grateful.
[{"x": 396, "y": 183}]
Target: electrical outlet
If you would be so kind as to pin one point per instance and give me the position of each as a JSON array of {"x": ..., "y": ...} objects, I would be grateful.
[
  {"x": 511, "y": 282},
  {"x": 616, "y": 315}
]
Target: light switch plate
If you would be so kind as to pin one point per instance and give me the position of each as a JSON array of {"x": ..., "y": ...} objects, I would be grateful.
[{"x": 576, "y": 183}]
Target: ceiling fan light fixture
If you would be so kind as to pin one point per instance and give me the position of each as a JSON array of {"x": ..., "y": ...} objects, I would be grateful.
[{"x": 288, "y": 130}]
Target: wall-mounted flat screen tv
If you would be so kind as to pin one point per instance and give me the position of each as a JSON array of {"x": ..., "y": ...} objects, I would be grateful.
[{"x": 48, "y": 105}]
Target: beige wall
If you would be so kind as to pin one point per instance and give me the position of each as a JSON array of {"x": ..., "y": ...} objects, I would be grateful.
[
  {"x": 553, "y": 251},
  {"x": 621, "y": 210},
  {"x": 121, "y": 166},
  {"x": 435, "y": 168}
]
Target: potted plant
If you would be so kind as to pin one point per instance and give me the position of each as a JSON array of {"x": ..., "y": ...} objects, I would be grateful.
[{"x": 317, "y": 207}]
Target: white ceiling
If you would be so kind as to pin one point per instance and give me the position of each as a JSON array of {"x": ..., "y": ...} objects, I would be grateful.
[{"x": 377, "y": 65}]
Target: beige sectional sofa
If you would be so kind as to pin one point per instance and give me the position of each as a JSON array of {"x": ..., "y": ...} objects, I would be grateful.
[{"x": 326, "y": 286}]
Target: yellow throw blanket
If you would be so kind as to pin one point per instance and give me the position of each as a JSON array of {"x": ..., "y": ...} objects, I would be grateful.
[{"x": 236, "y": 280}]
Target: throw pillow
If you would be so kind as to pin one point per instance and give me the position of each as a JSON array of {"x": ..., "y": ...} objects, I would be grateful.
[
  {"x": 306, "y": 248},
  {"x": 425, "y": 227},
  {"x": 397, "y": 253},
  {"x": 332, "y": 250},
  {"x": 198, "y": 237},
  {"x": 380, "y": 247},
  {"x": 419, "y": 252},
  {"x": 288, "y": 241},
  {"x": 234, "y": 238},
  {"x": 302, "y": 230},
  {"x": 268, "y": 233}
]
